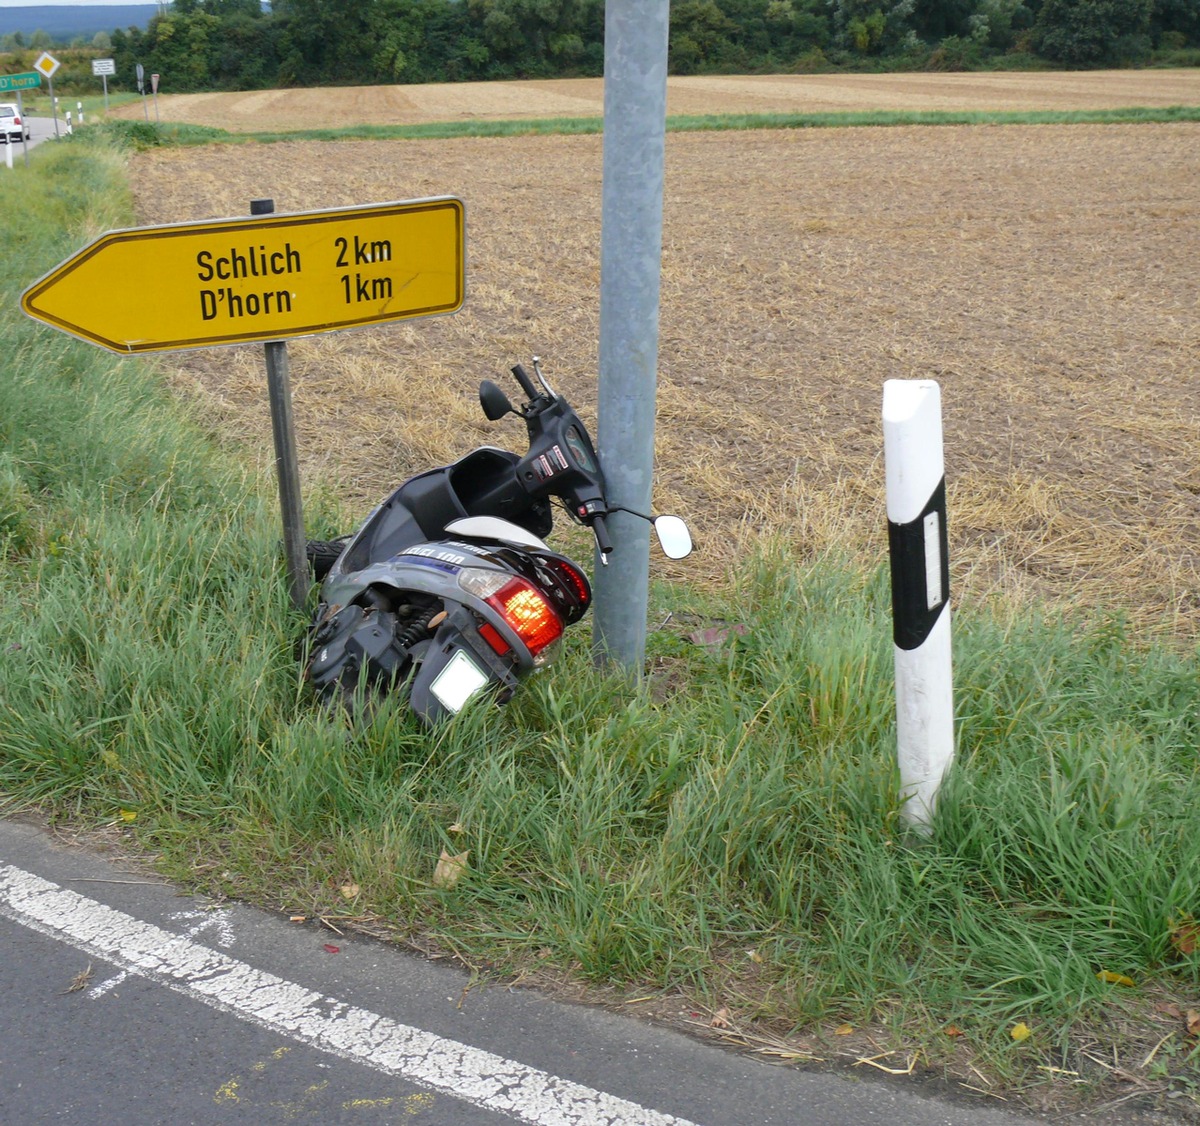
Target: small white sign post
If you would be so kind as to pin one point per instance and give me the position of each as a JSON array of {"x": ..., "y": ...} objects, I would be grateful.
[
  {"x": 916, "y": 513},
  {"x": 102, "y": 68}
]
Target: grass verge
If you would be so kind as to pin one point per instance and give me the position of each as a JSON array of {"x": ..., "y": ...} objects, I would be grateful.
[
  {"x": 144, "y": 134},
  {"x": 724, "y": 839}
]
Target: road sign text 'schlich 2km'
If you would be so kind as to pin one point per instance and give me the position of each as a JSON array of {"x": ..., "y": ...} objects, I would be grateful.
[{"x": 270, "y": 277}]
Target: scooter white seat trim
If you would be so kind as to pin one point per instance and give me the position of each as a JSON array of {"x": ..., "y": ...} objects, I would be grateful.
[{"x": 494, "y": 528}]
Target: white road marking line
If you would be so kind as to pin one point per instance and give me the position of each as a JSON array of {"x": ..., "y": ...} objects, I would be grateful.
[
  {"x": 471, "y": 1074},
  {"x": 201, "y": 920},
  {"x": 219, "y": 919},
  {"x": 109, "y": 983}
]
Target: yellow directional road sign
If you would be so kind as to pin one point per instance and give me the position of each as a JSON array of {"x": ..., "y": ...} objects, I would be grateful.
[{"x": 270, "y": 277}]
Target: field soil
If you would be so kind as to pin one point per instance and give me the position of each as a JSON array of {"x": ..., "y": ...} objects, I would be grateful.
[
  {"x": 323, "y": 108},
  {"x": 1045, "y": 276}
]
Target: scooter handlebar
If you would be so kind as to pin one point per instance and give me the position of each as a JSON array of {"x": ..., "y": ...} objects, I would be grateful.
[
  {"x": 603, "y": 543},
  {"x": 525, "y": 382}
]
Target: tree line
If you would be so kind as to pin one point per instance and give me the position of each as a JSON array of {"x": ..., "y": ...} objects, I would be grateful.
[{"x": 237, "y": 44}]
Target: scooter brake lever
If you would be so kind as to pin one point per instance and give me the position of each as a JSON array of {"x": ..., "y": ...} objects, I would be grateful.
[{"x": 537, "y": 370}]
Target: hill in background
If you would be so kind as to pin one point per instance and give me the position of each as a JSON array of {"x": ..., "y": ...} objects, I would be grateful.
[{"x": 72, "y": 20}]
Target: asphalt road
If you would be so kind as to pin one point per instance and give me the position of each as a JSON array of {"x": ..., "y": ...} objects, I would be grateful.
[
  {"x": 122, "y": 1001},
  {"x": 42, "y": 129}
]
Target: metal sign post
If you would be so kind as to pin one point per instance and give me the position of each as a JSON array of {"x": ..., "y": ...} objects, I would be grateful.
[
  {"x": 635, "y": 101},
  {"x": 24, "y": 142},
  {"x": 287, "y": 464}
]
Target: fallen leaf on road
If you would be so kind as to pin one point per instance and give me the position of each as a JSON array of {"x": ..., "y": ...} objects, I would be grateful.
[{"x": 329, "y": 948}]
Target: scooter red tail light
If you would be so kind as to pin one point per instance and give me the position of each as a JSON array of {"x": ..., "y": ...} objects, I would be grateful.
[
  {"x": 574, "y": 593},
  {"x": 526, "y": 610},
  {"x": 532, "y": 618}
]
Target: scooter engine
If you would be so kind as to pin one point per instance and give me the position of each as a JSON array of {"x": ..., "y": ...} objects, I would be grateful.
[{"x": 356, "y": 645}]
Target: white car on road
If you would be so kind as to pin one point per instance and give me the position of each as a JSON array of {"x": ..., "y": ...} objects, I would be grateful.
[{"x": 13, "y": 125}]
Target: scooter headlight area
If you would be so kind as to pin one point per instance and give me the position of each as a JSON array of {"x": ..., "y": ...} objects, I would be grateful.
[{"x": 521, "y": 606}]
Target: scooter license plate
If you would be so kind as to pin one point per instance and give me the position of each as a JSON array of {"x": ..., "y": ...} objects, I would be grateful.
[{"x": 458, "y": 682}]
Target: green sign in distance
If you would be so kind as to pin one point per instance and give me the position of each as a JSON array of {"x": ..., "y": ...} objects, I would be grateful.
[{"x": 20, "y": 81}]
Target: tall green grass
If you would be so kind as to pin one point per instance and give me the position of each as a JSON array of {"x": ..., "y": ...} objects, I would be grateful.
[
  {"x": 145, "y": 134},
  {"x": 142, "y": 622},
  {"x": 730, "y": 828}
]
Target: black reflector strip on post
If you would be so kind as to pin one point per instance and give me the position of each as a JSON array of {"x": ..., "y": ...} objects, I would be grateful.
[{"x": 920, "y": 571}]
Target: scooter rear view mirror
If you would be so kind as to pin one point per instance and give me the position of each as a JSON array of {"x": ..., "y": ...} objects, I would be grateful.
[
  {"x": 494, "y": 401},
  {"x": 673, "y": 537}
]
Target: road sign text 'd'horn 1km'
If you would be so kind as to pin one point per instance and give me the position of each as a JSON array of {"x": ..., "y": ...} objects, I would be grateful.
[{"x": 270, "y": 277}]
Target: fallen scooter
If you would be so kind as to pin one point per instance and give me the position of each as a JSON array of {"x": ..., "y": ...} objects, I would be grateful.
[{"x": 448, "y": 591}]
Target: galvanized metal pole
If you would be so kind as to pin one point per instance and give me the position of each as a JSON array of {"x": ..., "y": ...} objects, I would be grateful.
[
  {"x": 24, "y": 143},
  {"x": 287, "y": 464},
  {"x": 635, "y": 110},
  {"x": 53, "y": 105}
]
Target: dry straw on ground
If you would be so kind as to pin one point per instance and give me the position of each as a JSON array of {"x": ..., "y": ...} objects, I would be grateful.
[
  {"x": 1044, "y": 275},
  {"x": 264, "y": 110}
]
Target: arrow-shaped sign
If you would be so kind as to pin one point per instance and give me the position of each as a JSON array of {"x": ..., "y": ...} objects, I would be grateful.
[{"x": 270, "y": 277}]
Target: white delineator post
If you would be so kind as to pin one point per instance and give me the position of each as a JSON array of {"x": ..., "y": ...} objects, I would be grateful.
[{"x": 916, "y": 512}]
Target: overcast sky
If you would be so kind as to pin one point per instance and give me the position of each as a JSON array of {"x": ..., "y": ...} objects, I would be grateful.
[{"x": 69, "y": 3}]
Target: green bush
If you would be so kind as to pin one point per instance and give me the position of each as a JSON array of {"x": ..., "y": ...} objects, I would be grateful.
[
  {"x": 142, "y": 135},
  {"x": 1093, "y": 32},
  {"x": 955, "y": 53}
]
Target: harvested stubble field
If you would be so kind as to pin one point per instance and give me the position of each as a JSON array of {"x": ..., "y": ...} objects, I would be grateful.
[
  {"x": 267, "y": 110},
  {"x": 1044, "y": 275}
]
